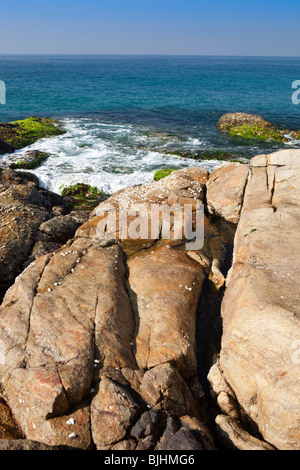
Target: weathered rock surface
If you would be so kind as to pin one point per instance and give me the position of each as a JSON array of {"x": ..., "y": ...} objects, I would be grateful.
[
  {"x": 24, "y": 444},
  {"x": 261, "y": 304},
  {"x": 230, "y": 120},
  {"x": 98, "y": 338},
  {"x": 225, "y": 191},
  {"x": 251, "y": 126},
  {"x": 234, "y": 437},
  {"x": 24, "y": 207},
  {"x": 100, "y": 347}
]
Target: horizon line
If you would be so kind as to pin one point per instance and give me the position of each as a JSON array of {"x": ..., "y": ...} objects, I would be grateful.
[{"x": 143, "y": 55}]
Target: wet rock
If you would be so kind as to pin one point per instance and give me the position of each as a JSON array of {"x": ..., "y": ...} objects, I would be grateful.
[
  {"x": 5, "y": 148},
  {"x": 28, "y": 161},
  {"x": 252, "y": 126}
]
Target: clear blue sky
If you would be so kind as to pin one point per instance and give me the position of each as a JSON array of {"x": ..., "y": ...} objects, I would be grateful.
[{"x": 215, "y": 27}]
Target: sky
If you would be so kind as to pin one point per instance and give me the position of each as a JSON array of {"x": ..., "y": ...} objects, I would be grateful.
[{"x": 176, "y": 27}]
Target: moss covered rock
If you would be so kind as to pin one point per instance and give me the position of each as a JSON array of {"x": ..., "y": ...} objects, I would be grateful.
[
  {"x": 83, "y": 196},
  {"x": 32, "y": 159},
  {"x": 252, "y": 126},
  {"x": 20, "y": 134},
  {"x": 160, "y": 174}
]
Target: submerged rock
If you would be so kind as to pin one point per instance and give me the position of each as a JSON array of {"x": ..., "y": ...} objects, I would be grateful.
[{"x": 30, "y": 160}]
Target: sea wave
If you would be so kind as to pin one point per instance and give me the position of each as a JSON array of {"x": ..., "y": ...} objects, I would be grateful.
[{"x": 109, "y": 156}]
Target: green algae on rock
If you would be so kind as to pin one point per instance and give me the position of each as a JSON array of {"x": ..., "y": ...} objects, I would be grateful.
[
  {"x": 20, "y": 134},
  {"x": 83, "y": 196},
  {"x": 160, "y": 174},
  {"x": 31, "y": 160},
  {"x": 252, "y": 126}
]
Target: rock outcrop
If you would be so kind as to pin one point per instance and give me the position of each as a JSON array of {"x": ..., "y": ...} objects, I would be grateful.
[
  {"x": 252, "y": 126},
  {"x": 25, "y": 228},
  {"x": 225, "y": 191},
  {"x": 28, "y": 161},
  {"x": 261, "y": 305},
  {"x": 20, "y": 134},
  {"x": 98, "y": 339},
  {"x": 232, "y": 120},
  {"x": 99, "y": 345}
]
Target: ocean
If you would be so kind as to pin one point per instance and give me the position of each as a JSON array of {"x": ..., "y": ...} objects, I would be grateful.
[{"x": 126, "y": 116}]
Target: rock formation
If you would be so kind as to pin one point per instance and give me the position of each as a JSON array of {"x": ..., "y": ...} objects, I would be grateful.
[
  {"x": 99, "y": 340},
  {"x": 260, "y": 310},
  {"x": 25, "y": 225},
  {"x": 252, "y": 126}
]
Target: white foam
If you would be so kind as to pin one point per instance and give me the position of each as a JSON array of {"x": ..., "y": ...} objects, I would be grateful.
[{"x": 109, "y": 159}]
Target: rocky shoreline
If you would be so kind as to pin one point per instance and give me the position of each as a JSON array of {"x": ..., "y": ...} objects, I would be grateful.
[{"x": 115, "y": 344}]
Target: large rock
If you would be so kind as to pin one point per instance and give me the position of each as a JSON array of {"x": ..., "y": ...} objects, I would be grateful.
[
  {"x": 96, "y": 343},
  {"x": 231, "y": 120},
  {"x": 165, "y": 335},
  {"x": 28, "y": 161},
  {"x": 20, "y": 134},
  {"x": 225, "y": 191},
  {"x": 252, "y": 126},
  {"x": 30, "y": 217},
  {"x": 261, "y": 304}
]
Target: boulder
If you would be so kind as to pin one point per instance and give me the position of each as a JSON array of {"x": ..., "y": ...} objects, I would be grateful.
[
  {"x": 24, "y": 206},
  {"x": 99, "y": 339},
  {"x": 251, "y": 126},
  {"x": 231, "y": 120},
  {"x": 225, "y": 191},
  {"x": 28, "y": 161},
  {"x": 259, "y": 356}
]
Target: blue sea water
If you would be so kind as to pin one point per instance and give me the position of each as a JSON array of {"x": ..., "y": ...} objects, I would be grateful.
[{"x": 125, "y": 113}]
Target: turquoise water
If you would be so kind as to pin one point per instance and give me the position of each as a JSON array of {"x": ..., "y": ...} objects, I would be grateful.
[{"x": 130, "y": 111}]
